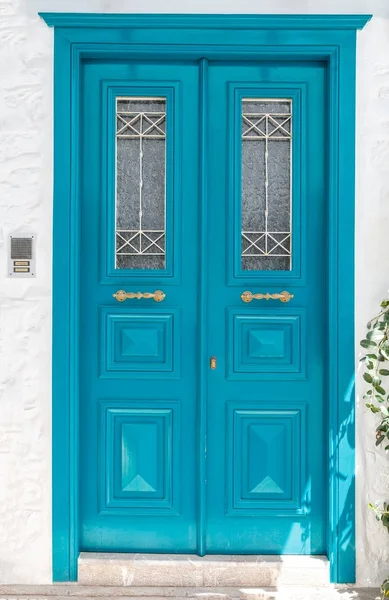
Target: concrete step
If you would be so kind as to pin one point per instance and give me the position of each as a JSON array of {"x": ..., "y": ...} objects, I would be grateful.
[
  {"x": 66, "y": 591},
  {"x": 167, "y": 570}
]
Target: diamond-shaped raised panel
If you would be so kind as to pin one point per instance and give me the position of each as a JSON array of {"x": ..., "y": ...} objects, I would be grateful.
[
  {"x": 266, "y": 466},
  {"x": 140, "y": 446},
  {"x": 264, "y": 344},
  {"x": 270, "y": 476},
  {"x": 137, "y": 461},
  {"x": 138, "y": 343}
]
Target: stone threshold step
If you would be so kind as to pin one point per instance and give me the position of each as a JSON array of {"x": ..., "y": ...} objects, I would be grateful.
[
  {"x": 168, "y": 570},
  {"x": 66, "y": 591}
]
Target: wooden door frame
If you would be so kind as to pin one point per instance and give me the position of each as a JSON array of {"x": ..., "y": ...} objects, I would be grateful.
[{"x": 330, "y": 38}]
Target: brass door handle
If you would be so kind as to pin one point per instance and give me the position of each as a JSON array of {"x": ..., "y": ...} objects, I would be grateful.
[
  {"x": 283, "y": 296},
  {"x": 121, "y": 295}
]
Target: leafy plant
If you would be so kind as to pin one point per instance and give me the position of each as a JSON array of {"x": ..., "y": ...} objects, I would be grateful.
[
  {"x": 381, "y": 513},
  {"x": 377, "y": 345},
  {"x": 385, "y": 588}
]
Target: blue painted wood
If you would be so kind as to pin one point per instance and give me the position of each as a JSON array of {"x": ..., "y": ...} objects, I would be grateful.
[
  {"x": 266, "y": 533},
  {"x": 274, "y": 485},
  {"x": 65, "y": 307},
  {"x": 138, "y": 342},
  {"x": 147, "y": 350},
  {"x": 203, "y": 308},
  {"x": 266, "y": 343},
  {"x": 224, "y": 22},
  {"x": 139, "y": 458},
  {"x": 216, "y": 37},
  {"x": 341, "y": 416}
]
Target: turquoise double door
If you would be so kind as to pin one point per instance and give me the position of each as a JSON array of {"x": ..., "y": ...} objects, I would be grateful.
[{"x": 203, "y": 317}]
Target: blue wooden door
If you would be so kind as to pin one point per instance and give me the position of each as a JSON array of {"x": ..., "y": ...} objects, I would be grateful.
[
  {"x": 202, "y": 403},
  {"x": 266, "y": 430},
  {"x": 138, "y": 357}
]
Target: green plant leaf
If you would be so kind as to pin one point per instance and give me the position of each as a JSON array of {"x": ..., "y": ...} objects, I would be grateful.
[
  {"x": 382, "y": 426},
  {"x": 375, "y": 335},
  {"x": 384, "y": 350},
  {"x": 384, "y": 303},
  {"x": 386, "y": 317},
  {"x": 385, "y": 520},
  {"x": 380, "y": 390},
  {"x": 373, "y": 408},
  {"x": 383, "y": 372},
  {"x": 367, "y": 344},
  {"x": 367, "y": 377},
  {"x": 379, "y": 398},
  {"x": 370, "y": 365},
  {"x": 384, "y": 411},
  {"x": 379, "y": 440},
  {"x": 376, "y": 381}
]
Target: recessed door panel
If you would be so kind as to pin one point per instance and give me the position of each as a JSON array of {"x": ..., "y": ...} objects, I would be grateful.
[
  {"x": 267, "y": 461},
  {"x": 266, "y": 343},
  {"x": 136, "y": 342},
  {"x": 139, "y": 461}
]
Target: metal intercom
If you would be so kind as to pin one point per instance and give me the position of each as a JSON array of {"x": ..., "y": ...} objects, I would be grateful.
[{"x": 21, "y": 257}]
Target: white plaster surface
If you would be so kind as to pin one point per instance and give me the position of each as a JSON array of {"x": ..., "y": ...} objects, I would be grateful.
[{"x": 25, "y": 305}]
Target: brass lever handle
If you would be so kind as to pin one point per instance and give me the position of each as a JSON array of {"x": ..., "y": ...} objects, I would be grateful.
[
  {"x": 283, "y": 296},
  {"x": 121, "y": 295}
]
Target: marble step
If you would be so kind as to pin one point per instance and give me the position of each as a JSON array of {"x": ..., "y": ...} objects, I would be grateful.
[
  {"x": 66, "y": 591},
  {"x": 168, "y": 570}
]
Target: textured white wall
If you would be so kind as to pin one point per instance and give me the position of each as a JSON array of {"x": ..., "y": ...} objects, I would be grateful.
[
  {"x": 372, "y": 278},
  {"x": 25, "y": 305}
]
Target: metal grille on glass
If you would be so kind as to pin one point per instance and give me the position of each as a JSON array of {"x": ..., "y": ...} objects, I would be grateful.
[
  {"x": 140, "y": 183},
  {"x": 266, "y": 184}
]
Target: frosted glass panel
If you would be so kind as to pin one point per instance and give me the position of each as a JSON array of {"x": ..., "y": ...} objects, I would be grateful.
[
  {"x": 266, "y": 184},
  {"x": 140, "y": 183}
]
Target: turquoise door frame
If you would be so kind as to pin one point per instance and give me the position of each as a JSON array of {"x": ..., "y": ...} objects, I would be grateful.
[{"x": 205, "y": 37}]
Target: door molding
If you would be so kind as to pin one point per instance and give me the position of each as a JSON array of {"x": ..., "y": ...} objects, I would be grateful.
[{"x": 330, "y": 38}]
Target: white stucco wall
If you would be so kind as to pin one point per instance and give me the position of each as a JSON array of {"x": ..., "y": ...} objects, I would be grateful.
[{"x": 26, "y": 205}]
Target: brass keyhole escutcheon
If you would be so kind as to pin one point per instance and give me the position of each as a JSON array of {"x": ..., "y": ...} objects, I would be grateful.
[{"x": 213, "y": 363}]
